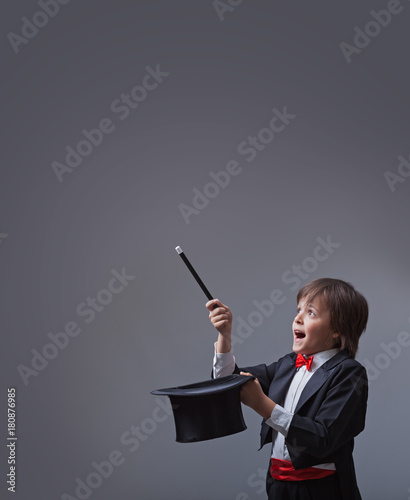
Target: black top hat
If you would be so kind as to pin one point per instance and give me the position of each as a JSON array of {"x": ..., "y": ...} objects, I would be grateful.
[{"x": 207, "y": 410}]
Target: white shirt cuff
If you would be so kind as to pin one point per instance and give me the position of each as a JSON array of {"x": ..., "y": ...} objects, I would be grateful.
[
  {"x": 280, "y": 420},
  {"x": 224, "y": 363}
]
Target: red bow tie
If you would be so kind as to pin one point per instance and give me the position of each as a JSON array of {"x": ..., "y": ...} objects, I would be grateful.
[{"x": 300, "y": 361}]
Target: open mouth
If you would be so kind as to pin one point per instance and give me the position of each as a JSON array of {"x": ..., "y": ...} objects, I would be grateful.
[{"x": 299, "y": 335}]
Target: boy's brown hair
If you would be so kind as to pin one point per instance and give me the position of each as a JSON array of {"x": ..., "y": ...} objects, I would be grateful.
[{"x": 348, "y": 308}]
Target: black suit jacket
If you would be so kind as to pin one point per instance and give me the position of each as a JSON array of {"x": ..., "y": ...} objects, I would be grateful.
[{"x": 330, "y": 413}]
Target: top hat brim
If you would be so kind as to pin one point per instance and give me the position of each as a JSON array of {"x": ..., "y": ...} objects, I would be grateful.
[{"x": 206, "y": 388}]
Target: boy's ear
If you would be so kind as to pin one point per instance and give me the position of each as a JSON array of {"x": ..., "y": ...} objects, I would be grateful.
[{"x": 337, "y": 339}]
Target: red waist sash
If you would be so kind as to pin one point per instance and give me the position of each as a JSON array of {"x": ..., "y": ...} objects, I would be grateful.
[{"x": 283, "y": 470}]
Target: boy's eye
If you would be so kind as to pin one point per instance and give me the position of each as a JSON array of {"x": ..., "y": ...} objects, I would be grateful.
[{"x": 311, "y": 313}]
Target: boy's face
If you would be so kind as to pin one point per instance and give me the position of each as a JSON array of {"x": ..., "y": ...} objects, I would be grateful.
[{"x": 311, "y": 328}]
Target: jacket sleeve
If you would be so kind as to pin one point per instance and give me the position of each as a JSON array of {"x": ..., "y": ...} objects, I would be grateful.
[
  {"x": 264, "y": 374},
  {"x": 340, "y": 416}
]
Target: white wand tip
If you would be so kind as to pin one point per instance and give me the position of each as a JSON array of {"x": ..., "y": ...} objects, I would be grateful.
[{"x": 178, "y": 249}]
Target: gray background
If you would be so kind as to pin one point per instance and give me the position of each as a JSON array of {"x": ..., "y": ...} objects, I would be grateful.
[{"x": 322, "y": 176}]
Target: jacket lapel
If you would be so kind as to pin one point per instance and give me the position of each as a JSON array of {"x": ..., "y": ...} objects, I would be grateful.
[
  {"x": 319, "y": 378},
  {"x": 283, "y": 377}
]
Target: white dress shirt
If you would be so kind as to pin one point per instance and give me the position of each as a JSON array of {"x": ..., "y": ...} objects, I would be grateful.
[{"x": 281, "y": 417}]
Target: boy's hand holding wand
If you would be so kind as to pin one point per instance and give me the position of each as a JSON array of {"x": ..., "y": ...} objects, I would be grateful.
[{"x": 252, "y": 394}]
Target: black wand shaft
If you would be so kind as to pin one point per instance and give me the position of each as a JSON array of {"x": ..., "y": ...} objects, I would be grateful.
[{"x": 195, "y": 274}]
